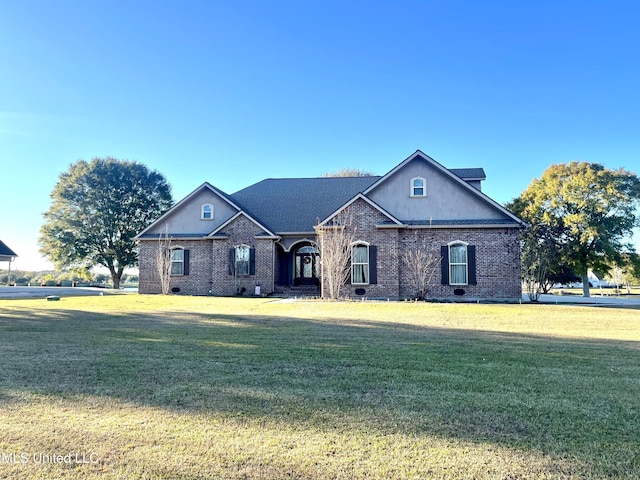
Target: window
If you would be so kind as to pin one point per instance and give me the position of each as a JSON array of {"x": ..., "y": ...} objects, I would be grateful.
[
  {"x": 177, "y": 261},
  {"x": 206, "y": 212},
  {"x": 458, "y": 266},
  {"x": 242, "y": 260},
  {"x": 360, "y": 264},
  {"x": 418, "y": 187}
]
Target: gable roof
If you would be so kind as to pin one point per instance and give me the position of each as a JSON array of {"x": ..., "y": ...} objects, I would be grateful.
[
  {"x": 460, "y": 176},
  {"x": 296, "y": 205},
  {"x": 204, "y": 186},
  {"x": 391, "y": 220},
  {"x": 468, "y": 174},
  {"x": 5, "y": 251},
  {"x": 219, "y": 232}
]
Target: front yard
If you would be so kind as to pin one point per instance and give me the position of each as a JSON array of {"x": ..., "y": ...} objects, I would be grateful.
[{"x": 133, "y": 386}]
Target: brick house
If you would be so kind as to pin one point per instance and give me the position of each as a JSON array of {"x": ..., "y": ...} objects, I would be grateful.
[{"x": 265, "y": 235}]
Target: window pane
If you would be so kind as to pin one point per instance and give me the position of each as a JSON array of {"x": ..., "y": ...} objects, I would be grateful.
[
  {"x": 458, "y": 254},
  {"x": 360, "y": 274},
  {"x": 459, "y": 274},
  {"x": 360, "y": 254}
]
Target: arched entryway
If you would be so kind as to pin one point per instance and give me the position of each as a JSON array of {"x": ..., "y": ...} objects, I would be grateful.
[{"x": 306, "y": 266}]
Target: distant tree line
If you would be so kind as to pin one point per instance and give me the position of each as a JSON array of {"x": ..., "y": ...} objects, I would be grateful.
[{"x": 53, "y": 278}]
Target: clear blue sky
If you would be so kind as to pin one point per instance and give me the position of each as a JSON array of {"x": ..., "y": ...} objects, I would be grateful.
[{"x": 231, "y": 92}]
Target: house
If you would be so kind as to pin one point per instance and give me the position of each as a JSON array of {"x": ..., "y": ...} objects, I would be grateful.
[
  {"x": 263, "y": 238},
  {"x": 7, "y": 255}
]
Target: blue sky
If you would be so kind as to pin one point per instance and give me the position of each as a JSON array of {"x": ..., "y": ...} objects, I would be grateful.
[{"x": 231, "y": 92}]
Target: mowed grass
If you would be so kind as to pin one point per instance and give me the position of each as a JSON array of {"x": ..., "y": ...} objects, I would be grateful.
[{"x": 132, "y": 386}]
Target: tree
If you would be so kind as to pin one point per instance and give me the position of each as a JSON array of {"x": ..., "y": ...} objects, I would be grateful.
[
  {"x": 97, "y": 209},
  {"x": 334, "y": 241},
  {"x": 542, "y": 265},
  {"x": 163, "y": 261},
  {"x": 421, "y": 266},
  {"x": 348, "y": 172},
  {"x": 587, "y": 211},
  {"x": 626, "y": 272}
]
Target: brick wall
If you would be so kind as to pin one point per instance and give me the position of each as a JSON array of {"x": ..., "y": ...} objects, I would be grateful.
[
  {"x": 242, "y": 232},
  {"x": 497, "y": 262},
  {"x": 497, "y": 259},
  {"x": 197, "y": 282}
]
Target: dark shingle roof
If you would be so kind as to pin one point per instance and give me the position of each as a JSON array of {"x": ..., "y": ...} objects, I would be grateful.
[
  {"x": 469, "y": 173},
  {"x": 6, "y": 251},
  {"x": 297, "y": 204}
]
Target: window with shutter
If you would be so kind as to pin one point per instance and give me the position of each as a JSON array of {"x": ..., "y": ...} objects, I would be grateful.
[
  {"x": 458, "y": 264},
  {"x": 177, "y": 261}
]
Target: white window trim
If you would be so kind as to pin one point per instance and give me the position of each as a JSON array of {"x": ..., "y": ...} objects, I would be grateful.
[
  {"x": 173, "y": 249},
  {"x": 466, "y": 264},
  {"x": 361, "y": 244},
  {"x": 202, "y": 217},
  {"x": 412, "y": 187}
]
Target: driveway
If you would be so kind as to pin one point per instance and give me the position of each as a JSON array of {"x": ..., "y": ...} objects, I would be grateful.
[
  {"x": 593, "y": 300},
  {"x": 44, "y": 292}
]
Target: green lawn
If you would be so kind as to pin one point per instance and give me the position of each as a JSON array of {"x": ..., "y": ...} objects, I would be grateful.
[{"x": 197, "y": 388}]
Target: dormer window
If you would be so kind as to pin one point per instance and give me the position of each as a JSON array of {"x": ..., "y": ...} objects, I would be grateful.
[
  {"x": 418, "y": 187},
  {"x": 206, "y": 212}
]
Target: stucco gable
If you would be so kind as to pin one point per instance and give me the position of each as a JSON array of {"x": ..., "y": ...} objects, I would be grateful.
[
  {"x": 449, "y": 197},
  {"x": 185, "y": 219}
]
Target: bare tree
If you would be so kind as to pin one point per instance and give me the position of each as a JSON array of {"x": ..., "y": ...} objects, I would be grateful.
[
  {"x": 534, "y": 274},
  {"x": 535, "y": 255},
  {"x": 163, "y": 261},
  {"x": 334, "y": 241},
  {"x": 349, "y": 172},
  {"x": 617, "y": 275},
  {"x": 421, "y": 265}
]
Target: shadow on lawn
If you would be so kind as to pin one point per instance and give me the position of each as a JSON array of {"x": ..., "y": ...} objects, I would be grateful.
[{"x": 559, "y": 396}]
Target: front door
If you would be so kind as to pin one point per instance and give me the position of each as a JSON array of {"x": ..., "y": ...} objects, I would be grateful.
[{"x": 306, "y": 266}]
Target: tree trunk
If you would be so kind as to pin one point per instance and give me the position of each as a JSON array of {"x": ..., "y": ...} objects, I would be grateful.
[
  {"x": 116, "y": 275},
  {"x": 585, "y": 283}
]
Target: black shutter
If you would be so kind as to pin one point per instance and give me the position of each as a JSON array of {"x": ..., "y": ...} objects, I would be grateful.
[
  {"x": 444, "y": 265},
  {"x": 232, "y": 261},
  {"x": 373, "y": 264},
  {"x": 252, "y": 261},
  {"x": 471, "y": 259},
  {"x": 185, "y": 267}
]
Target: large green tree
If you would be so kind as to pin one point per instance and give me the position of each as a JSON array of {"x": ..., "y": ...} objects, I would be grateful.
[
  {"x": 97, "y": 209},
  {"x": 587, "y": 211}
]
